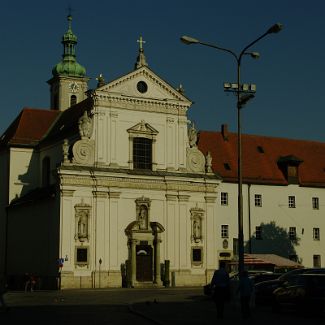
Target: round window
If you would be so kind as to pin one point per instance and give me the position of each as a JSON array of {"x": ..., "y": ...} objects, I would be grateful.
[{"x": 142, "y": 87}]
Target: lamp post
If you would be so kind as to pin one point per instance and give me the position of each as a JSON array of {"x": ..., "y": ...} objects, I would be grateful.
[{"x": 242, "y": 99}]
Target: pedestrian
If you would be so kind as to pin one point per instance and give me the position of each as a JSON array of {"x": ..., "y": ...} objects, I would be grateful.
[
  {"x": 245, "y": 289},
  {"x": 32, "y": 282},
  {"x": 3, "y": 290},
  {"x": 26, "y": 281},
  {"x": 220, "y": 288}
]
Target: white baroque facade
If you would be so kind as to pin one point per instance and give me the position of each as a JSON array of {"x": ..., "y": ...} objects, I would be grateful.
[{"x": 118, "y": 192}]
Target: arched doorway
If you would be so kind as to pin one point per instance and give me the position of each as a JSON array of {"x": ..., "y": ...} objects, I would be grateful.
[
  {"x": 144, "y": 265},
  {"x": 144, "y": 254}
]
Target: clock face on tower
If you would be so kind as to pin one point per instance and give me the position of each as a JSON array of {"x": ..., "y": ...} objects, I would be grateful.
[{"x": 73, "y": 86}]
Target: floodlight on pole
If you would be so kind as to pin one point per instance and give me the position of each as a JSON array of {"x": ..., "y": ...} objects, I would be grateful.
[{"x": 242, "y": 99}]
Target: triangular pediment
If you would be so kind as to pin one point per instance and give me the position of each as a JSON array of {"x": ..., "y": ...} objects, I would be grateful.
[
  {"x": 144, "y": 83},
  {"x": 143, "y": 128}
]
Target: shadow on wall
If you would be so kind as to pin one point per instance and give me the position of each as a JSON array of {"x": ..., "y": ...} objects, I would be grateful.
[{"x": 274, "y": 240}]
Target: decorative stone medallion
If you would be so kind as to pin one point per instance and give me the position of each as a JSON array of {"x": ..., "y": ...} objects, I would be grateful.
[
  {"x": 195, "y": 160},
  {"x": 83, "y": 152}
]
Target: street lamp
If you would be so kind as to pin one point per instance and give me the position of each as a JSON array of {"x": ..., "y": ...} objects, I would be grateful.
[{"x": 242, "y": 99}]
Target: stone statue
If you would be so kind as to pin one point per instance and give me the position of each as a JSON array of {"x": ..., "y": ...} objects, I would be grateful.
[
  {"x": 65, "y": 149},
  {"x": 82, "y": 224},
  {"x": 192, "y": 136},
  {"x": 143, "y": 217},
  {"x": 196, "y": 229},
  {"x": 85, "y": 126},
  {"x": 208, "y": 162},
  {"x": 100, "y": 81}
]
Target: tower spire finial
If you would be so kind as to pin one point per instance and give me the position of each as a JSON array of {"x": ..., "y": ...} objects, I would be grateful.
[
  {"x": 69, "y": 65},
  {"x": 141, "y": 59},
  {"x": 69, "y": 17},
  {"x": 141, "y": 41}
]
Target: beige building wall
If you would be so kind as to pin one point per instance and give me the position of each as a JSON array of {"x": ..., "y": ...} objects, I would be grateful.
[{"x": 275, "y": 208}]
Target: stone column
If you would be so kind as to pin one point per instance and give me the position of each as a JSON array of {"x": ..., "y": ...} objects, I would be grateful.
[
  {"x": 157, "y": 242},
  {"x": 133, "y": 261},
  {"x": 210, "y": 236},
  {"x": 113, "y": 139}
]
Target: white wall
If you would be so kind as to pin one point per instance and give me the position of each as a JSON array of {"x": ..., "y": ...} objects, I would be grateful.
[
  {"x": 112, "y": 214},
  {"x": 112, "y": 138},
  {"x": 24, "y": 175},
  {"x": 275, "y": 209}
]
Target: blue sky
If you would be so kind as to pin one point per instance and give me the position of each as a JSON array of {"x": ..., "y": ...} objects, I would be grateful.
[{"x": 289, "y": 102}]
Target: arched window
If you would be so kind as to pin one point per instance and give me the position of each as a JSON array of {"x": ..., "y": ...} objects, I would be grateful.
[
  {"x": 73, "y": 100},
  {"x": 46, "y": 170},
  {"x": 142, "y": 153}
]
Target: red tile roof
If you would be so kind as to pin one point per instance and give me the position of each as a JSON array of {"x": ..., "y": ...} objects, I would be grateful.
[
  {"x": 29, "y": 127},
  {"x": 260, "y": 155}
]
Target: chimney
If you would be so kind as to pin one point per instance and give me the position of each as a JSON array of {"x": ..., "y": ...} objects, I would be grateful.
[{"x": 224, "y": 131}]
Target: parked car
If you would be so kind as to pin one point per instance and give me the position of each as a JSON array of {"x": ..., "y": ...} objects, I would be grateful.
[
  {"x": 264, "y": 290},
  {"x": 267, "y": 276},
  {"x": 304, "y": 292},
  {"x": 255, "y": 275}
]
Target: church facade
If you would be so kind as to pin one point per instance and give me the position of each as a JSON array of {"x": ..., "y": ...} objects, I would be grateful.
[{"x": 114, "y": 187}]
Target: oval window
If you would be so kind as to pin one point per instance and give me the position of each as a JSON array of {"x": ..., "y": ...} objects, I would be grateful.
[{"x": 142, "y": 87}]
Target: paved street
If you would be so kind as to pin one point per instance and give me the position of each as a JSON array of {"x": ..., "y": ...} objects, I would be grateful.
[{"x": 136, "y": 306}]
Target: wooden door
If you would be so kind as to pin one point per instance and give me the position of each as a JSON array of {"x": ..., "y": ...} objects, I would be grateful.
[{"x": 144, "y": 263}]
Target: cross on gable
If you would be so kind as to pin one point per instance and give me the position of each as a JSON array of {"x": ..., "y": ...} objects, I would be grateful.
[
  {"x": 70, "y": 10},
  {"x": 141, "y": 41}
]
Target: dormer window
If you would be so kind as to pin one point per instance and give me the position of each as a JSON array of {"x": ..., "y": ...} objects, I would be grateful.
[
  {"x": 260, "y": 149},
  {"x": 289, "y": 165},
  {"x": 292, "y": 171},
  {"x": 226, "y": 166}
]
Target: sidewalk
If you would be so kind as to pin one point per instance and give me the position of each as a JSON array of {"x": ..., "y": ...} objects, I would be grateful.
[
  {"x": 154, "y": 306},
  {"x": 202, "y": 311}
]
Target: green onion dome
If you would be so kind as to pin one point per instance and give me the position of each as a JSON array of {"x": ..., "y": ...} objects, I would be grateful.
[{"x": 69, "y": 65}]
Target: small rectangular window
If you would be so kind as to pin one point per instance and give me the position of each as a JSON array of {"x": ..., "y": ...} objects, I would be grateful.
[
  {"x": 224, "y": 231},
  {"x": 315, "y": 203},
  {"x": 316, "y": 261},
  {"x": 224, "y": 198},
  {"x": 258, "y": 232},
  {"x": 292, "y": 233},
  {"x": 292, "y": 201},
  {"x": 316, "y": 234},
  {"x": 227, "y": 166},
  {"x": 258, "y": 200},
  {"x": 197, "y": 257},
  {"x": 81, "y": 255}
]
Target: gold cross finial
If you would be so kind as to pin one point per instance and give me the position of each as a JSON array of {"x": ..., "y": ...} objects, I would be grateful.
[{"x": 141, "y": 41}]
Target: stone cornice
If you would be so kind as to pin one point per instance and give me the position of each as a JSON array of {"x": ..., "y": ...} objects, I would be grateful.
[
  {"x": 114, "y": 195},
  {"x": 100, "y": 194},
  {"x": 183, "y": 198},
  {"x": 210, "y": 199},
  {"x": 139, "y": 183},
  {"x": 171, "y": 197},
  {"x": 107, "y": 171},
  {"x": 141, "y": 104},
  {"x": 67, "y": 193}
]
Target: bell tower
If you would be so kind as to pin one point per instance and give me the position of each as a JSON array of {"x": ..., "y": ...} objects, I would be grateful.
[{"x": 69, "y": 82}]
